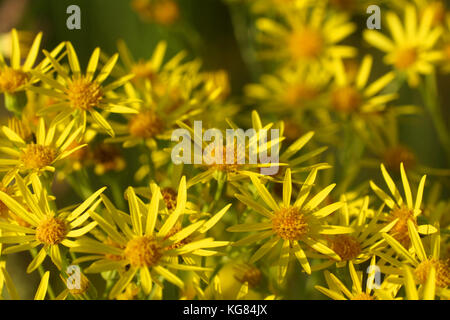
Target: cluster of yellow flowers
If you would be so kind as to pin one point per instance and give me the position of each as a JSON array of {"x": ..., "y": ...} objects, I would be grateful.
[{"x": 226, "y": 231}]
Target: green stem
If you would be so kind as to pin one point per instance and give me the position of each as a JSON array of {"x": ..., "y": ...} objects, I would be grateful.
[{"x": 430, "y": 98}]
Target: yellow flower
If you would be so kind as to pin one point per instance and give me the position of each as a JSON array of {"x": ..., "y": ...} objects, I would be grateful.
[
  {"x": 309, "y": 36},
  {"x": 142, "y": 244},
  {"x": 41, "y": 155},
  {"x": 385, "y": 146},
  {"x": 291, "y": 89},
  {"x": 170, "y": 92},
  {"x": 47, "y": 227},
  {"x": 164, "y": 12},
  {"x": 425, "y": 264},
  {"x": 78, "y": 94},
  {"x": 338, "y": 291},
  {"x": 290, "y": 225},
  {"x": 402, "y": 213},
  {"x": 349, "y": 96},
  {"x": 411, "y": 50},
  {"x": 17, "y": 77},
  {"x": 355, "y": 247},
  {"x": 221, "y": 168}
]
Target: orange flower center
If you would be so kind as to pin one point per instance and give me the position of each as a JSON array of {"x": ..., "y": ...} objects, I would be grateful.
[
  {"x": 400, "y": 229},
  {"x": 347, "y": 247},
  {"x": 307, "y": 43},
  {"x": 346, "y": 99},
  {"x": 51, "y": 231},
  {"x": 142, "y": 70},
  {"x": 228, "y": 165},
  {"x": 143, "y": 251},
  {"x": 166, "y": 12},
  {"x": 299, "y": 94},
  {"x": 442, "y": 272},
  {"x": 405, "y": 58},
  {"x": 12, "y": 80},
  {"x": 290, "y": 223},
  {"x": 398, "y": 154},
  {"x": 247, "y": 273},
  {"x": 84, "y": 94},
  {"x": 36, "y": 156},
  {"x": 145, "y": 125}
]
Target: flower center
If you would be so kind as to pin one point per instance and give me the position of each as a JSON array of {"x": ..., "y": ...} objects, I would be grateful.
[
  {"x": 290, "y": 223},
  {"x": 142, "y": 70},
  {"x": 143, "y": 251},
  {"x": 363, "y": 296},
  {"x": 228, "y": 165},
  {"x": 299, "y": 94},
  {"x": 84, "y": 94},
  {"x": 51, "y": 231},
  {"x": 442, "y": 271},
  {"x": 346, "y": 99},
  {"x": 400, "y": 230},
  {"x": 12, "y": 80},
  {"x": 165, "y": 12},
  {"x": 398, "y": 154},
  {"x": 247, "y": 273},
  {"x": 145, "y": 125},
  {"x": 305, "y": 43},
  {"x": 107, "y": 157},
  {"x": 347, "y": 247},
  {"x": 36, "y": 156},
  {"x": 405, "y": 58}
]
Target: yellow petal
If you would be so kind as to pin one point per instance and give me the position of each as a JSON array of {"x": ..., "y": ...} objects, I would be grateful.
[
  {"x": 32, "y": 54},
  {"x": 15, "y": 50},
  {"x": 37, "y": 261},
  {"x": 416, "y": 241},
  {"x": 287, "y": 188}
]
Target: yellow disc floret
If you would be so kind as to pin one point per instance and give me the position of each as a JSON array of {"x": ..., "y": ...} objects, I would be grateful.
[
  {"x": 396, "y": 155},
  {"x": 145, "y": 125},
  {"x": 247, "y": 273},
  {"x": 84, "y": 94},
  {"x": 290, "y": 223},
  {"x": 400, "y": 230},
  {"x": 442, "y": 272},
  {"x": 11, "y": 80},
  {"x": 143, "y": 251},
  {"x": 306, "y": 43},
  {"x": 36, "y": 156},
  {"x": 51, "y": 231},
  {"x": 346, "y": 99},
  {"x": 405, "y": 58},
  {"x": 347, "y": 247}
]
